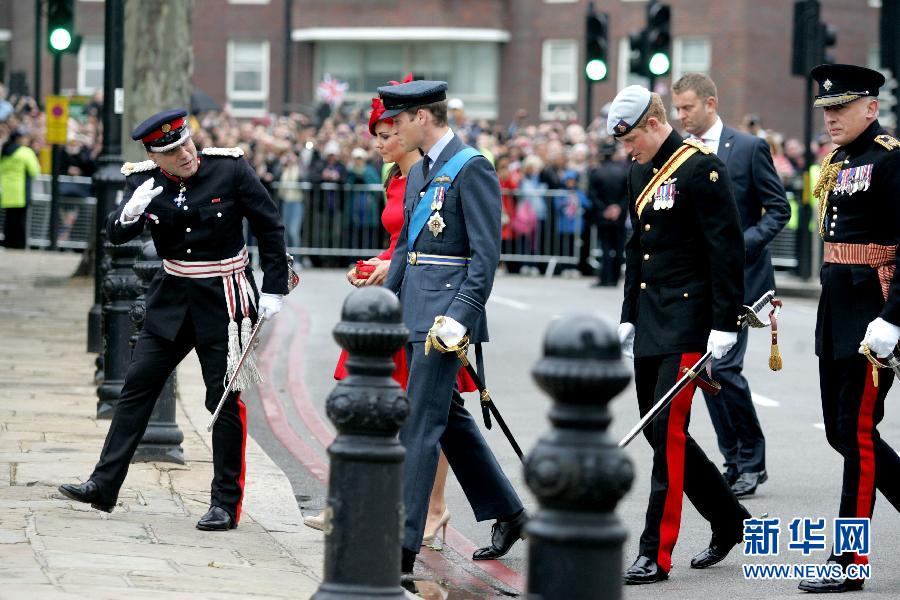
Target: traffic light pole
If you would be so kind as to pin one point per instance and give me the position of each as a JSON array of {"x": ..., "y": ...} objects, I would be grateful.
[
  {"x": 804, "y": 237},
  {"x": 38, "y": 49},
  {"x": 588, "y": 102},
  {"x": 57, "y": 158}
]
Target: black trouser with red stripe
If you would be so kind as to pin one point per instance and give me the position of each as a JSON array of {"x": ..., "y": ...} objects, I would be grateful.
[
  {"x": 852, "y": 408},
  {"x": 153, "y": 360},
  {"x": 679, "y": 464}
]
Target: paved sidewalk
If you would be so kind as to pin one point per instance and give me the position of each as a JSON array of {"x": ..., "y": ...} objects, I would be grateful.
[{"x": 51, "y": 547}]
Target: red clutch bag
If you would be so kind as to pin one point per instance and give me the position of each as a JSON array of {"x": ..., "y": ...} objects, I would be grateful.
[{"x": 363, "y": 270}]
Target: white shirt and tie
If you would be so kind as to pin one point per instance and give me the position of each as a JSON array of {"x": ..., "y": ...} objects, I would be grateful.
[
  {"x": 429, "y": 159},
  {"x": 711, "y": 137}
]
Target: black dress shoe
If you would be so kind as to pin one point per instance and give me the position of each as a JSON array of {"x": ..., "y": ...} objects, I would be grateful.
[
  {"x": 87, "y": 492},
  {"x": 827, "y": 585},
  {"x": 730, "y": 474},
  {"x": 216, "y": 519},
  {"x": 644, "y": 570},
  {"x": 503, "y": 535},
  {"x": 747, "y": 483},
  {"x": 719, "y": 547},
  {"x": 407, "y": 561}
]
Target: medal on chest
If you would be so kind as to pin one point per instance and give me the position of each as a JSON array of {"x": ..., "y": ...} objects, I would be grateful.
[
  {"x": 436, "y": 222},
  {"x": 854, "y": 179},
  {"x": 180, "y": 199},
  {"x": 664, "y": 198}
]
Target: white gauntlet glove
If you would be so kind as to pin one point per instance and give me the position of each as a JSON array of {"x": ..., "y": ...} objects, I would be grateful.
[
  {"x": 139, "y": 200},
  {"x": 450, "y": 332},
  {"x": 626, "y": 339},
  {"x": 720, "y": 342},
  {"x": 269, "y": 305},
  {"x": 881, "y": 337}
]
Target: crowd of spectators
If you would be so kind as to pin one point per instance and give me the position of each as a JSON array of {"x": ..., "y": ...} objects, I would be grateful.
[{"x": 543, "y": 166}]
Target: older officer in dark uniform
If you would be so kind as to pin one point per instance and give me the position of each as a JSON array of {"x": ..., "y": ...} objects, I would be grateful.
[
  {"x": 859, "y": 309},
  {"x": 204, "y": 298},
  {"x": 451, "y": 232},
  {"x": 683, "y": 292}
]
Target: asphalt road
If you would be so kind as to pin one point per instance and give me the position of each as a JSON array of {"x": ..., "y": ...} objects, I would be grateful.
[{"x": 804, "y": 472}]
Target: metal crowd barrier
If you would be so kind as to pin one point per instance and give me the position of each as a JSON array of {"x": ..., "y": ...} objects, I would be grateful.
[
  {"x": 345, "y": 221},
  {"x": 75, "y": 216}
]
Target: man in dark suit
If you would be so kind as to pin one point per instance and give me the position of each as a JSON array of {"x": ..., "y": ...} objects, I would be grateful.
[
  {"x": 451, "y": 234},
  {"x": 204, "y": 298},
  {"x": 764, "y": 211},
  {"x": 609, "y": 198},
  {"x": 683, "y": 291}
]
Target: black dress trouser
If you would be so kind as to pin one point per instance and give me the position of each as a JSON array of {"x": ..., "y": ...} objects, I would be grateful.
[
  {"x": 679, "y": 464},
  {"x": 153, "y": 360}
]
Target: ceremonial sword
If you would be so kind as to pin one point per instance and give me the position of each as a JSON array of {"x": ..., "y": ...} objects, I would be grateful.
[
  {"x": 749, "y": 318},
  {"x": 237, "y": 369},
  {"x": 488, "y": 407}
]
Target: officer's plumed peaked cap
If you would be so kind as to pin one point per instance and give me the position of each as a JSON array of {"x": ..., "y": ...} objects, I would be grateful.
[
  {"x": 840, "y": 84},
  {"x": 163, "y": 131},
  {"x": 398, "y": 98},
  {"x": 627, "y": 109}
]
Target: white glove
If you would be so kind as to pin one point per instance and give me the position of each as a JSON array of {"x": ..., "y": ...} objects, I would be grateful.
[
  {"x": 451, "y": 332},
  {"x": 139, "y": 200},
  {"x": 881, "y": 337},
  {"x": 720, "y": 342},
  {"x": 269, "y": 305},
  {"x": 626, "y": 339}
]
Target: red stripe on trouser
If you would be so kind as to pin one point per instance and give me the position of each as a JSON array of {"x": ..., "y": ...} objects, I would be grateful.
[
  {"x": 675, "y": 443},
  {"x": 242, "y": 412},
  {"x": 865, "y": 490}
]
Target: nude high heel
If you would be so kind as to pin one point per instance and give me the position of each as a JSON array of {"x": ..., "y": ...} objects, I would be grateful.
[
  {"x": 441, "y": 526},
  {"x": 315, "y": 521}
]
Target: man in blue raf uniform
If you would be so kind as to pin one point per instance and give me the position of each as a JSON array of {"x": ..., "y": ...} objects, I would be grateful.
[
  {"x": 451, "y": 232},
  {"x": 764, "y": 211},
  {"x": 203, "y": 298},
  {"x": 683, "y": 291},
  {"x": 859, "y": 308}
]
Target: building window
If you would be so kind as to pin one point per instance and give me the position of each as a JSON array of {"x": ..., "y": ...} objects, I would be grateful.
[
  {"x": 248, "y": 78},
  {"x": 690, "y": 55},
  {"x": 90, "y": 66},
  {"x": 471, "y": 69},
  {"x": 559, "y": 75}
]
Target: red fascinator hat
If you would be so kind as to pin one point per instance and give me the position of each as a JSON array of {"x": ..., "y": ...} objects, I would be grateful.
[{"x": 378, "y": 107}]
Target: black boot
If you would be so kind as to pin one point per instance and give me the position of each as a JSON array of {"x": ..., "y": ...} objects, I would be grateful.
[
  {"x": 216, "y": 519},
  {"x": 87, "y": 492},
  {"x": 721, "y": 543},
  {"x": 644, "y": 570},
  {"x": 504, "y": 534}
]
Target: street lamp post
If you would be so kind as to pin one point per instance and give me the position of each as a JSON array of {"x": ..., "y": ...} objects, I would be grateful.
[{"x": 108, "y": 180}]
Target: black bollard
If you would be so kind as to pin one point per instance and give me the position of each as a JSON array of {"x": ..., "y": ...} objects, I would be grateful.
[
  {"x": 364, "y": 516},
  {"x": 162, "y": 438},
  {"x": 120, "y": 288},
  {"x": 577, "y": 472}
]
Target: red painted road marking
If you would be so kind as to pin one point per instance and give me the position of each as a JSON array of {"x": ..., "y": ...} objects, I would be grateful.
[{"x": 311, "y": 417}]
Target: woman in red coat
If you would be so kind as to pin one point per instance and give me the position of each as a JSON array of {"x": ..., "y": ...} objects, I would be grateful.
[{"x": 373, "y": 272}]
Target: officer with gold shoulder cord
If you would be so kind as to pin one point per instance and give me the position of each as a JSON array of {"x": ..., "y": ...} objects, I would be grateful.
[
  {"x": 858, "y": 321},
  {"x": 204, "y": 299},
  {"x": 683, "y": 291}
]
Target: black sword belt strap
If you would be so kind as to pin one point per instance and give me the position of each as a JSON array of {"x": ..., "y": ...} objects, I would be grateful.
[{"x": 485, "y": 402}]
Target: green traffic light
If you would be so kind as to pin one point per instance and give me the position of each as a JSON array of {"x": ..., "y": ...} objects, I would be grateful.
[
  {"x": 659, "y": 64},
  {"x": 60, "y": 39},
  {"x": 596, "y": 70}
]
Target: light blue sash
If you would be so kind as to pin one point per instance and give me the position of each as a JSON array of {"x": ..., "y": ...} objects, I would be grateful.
[{"x": 423, "y": 209}]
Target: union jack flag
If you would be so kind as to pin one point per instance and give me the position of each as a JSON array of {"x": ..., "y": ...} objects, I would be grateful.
[{"x": 332, "y": 90}]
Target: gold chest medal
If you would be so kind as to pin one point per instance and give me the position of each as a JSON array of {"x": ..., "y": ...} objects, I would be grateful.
[
  {"x": 854, "y": 179},
  {"x": 436, "y": 222}
]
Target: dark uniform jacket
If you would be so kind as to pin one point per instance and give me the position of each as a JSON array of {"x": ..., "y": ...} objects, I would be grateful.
[
  {"x": 471, "y": 213},
  {"x": 761, "y": 203},
  {"x": 606, "y": 186},
  {"x": 207, "y": 227},
  {"x": 684, "y": 264},
  {"x": 865, "y": 210}
]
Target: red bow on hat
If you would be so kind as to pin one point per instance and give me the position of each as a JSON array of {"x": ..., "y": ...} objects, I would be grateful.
[{"x": 407, "y": 79}]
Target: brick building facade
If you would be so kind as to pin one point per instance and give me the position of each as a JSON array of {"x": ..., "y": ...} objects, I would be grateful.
[{"x": 498, "y": 55}]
